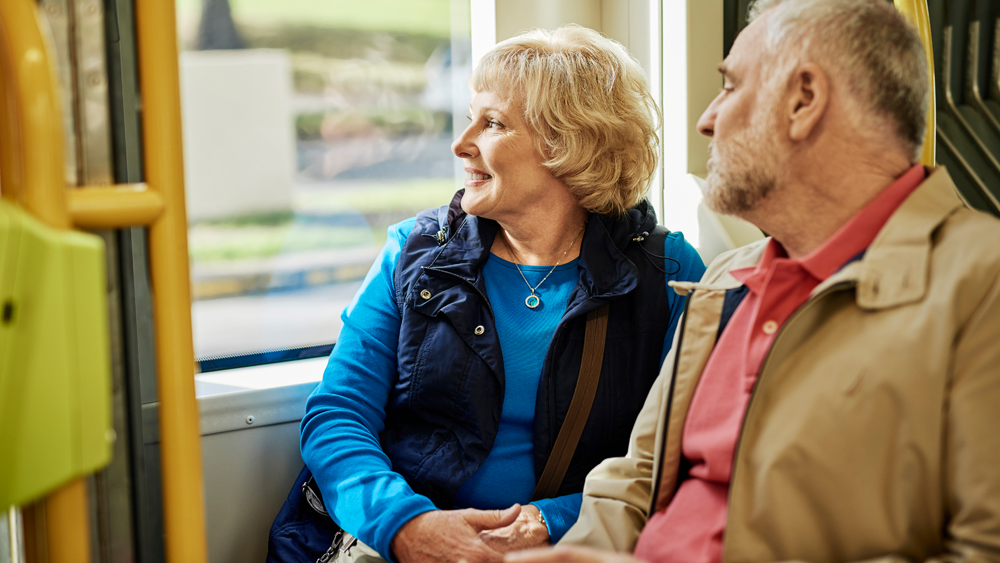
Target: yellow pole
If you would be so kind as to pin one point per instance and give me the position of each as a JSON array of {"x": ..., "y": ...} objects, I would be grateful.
[
  {"x": 31, "y": 173},
  {"x": 66, "y": 523},
  {"x": 180, "y": 439},
  {"x": 113, "y": 207},
  {"x": 31, "y": 149},
  {"x": 916, "y": 12}
]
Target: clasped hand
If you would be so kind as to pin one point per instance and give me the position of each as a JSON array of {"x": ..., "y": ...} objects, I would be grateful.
[{"x": 473, "y": 536}]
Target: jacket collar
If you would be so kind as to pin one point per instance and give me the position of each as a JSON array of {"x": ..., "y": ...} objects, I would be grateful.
[
  {"x": 605, "y": 271},
  {"x": 895, "y": 269}
]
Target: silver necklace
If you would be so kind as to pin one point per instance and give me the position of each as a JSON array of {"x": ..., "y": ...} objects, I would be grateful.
[{"x": 533, "y": 300}]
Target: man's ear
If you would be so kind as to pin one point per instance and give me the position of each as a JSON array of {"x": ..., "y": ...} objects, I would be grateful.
[{"x": 809, "y": 94}]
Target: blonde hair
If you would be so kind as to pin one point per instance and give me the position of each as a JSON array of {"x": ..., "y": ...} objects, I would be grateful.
[{"x": 587, "y": 102}]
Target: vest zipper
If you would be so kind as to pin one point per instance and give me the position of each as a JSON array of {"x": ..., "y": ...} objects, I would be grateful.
[
  {"x": 670, "y": 403},
  {"x": 753, "y": 393},
  {"x": 470, "y": 284}
]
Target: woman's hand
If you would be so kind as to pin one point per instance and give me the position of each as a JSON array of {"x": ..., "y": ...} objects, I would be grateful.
[
  {"x": 450, "y": 536},
  {"x": 569, "y": 554},
  {"x": 526, "y": 532}
]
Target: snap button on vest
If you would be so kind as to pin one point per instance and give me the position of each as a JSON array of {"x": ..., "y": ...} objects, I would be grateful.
[
  {"x": 425, "y": 294},
  {"x": 479, "y": 330}
]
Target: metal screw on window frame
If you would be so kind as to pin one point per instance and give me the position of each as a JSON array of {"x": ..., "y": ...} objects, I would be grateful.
[{"x": 250, "y": 419}]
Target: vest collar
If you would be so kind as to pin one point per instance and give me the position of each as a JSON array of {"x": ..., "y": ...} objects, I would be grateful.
[{"x": 605, "y": 271}]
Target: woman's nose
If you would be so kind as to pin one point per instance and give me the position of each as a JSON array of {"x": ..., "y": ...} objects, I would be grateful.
[{"x": 463, "y": 147}]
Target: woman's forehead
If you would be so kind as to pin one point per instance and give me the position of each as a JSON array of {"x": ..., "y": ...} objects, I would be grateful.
[{"x": 501, "y": 102}]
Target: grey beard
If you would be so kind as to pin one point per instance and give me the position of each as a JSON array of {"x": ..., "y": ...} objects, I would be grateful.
[{"x": 742, "y": 180}]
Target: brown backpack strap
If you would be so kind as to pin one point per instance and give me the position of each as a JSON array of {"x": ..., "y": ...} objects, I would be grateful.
[{"x": 579, "y": 406}]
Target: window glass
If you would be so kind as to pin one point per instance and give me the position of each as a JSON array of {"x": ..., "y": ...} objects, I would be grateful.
[{"x": 309, "y": 128}]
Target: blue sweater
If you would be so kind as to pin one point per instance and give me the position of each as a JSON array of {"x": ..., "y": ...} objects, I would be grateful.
[{"x": 362, "y": 370}]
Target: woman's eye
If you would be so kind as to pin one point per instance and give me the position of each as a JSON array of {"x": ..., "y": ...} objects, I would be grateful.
[{"x": 490, "y": 124}]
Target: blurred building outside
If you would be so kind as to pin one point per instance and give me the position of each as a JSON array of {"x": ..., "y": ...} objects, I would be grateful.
[{"x": 303, "y": 147}]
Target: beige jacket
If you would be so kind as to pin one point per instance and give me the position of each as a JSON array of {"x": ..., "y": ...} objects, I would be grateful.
[{"x": 873, "y": 432}]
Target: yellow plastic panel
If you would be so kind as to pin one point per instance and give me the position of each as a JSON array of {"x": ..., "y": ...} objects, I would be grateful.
[{"x": 55, "y": 377}]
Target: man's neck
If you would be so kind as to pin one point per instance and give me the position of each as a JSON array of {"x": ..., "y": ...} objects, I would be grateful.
[{"x": 804, "y": 213}]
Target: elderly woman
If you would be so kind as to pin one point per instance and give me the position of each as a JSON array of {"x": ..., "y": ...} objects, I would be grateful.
[{"x": 460, "y": 354}]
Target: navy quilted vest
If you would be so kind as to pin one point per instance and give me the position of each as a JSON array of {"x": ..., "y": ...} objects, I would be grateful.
[{"x": 444, "y": 410}]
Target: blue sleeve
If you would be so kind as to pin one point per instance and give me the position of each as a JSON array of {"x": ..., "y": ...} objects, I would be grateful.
[
  {"x": 688, "y": 267},
  {"x": 346, "y": 413},
  {"x": 560, "y": 514}
]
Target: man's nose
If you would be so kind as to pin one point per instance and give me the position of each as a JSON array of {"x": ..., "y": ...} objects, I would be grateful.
[{"x": 706, "y": 123}]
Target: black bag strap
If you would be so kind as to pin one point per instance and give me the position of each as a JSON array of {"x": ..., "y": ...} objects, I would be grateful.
[{"x": 579, "y": 406}]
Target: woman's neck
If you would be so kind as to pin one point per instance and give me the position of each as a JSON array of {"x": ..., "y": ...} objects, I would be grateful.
[{"x": 535, "y": 241}]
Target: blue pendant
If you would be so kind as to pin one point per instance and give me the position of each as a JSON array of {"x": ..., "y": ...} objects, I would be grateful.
[{"x": 532, "y": 301}]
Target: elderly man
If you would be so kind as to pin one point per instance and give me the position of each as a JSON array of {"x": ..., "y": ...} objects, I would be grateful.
[{"x": 834, "y": 391}]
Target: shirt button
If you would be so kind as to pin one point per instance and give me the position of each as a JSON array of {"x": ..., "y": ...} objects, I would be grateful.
[
  {"x": 479, "y": 330},
  {"x": 770, "y": 327},
  {"x": 425, "y": 294}
]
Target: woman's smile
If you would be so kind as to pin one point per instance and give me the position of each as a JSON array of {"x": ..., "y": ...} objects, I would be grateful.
[{"x": 474, "y": 178}]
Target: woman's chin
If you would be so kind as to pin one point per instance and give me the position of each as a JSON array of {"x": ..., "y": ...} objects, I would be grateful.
[{"x": 473, "y": 204}]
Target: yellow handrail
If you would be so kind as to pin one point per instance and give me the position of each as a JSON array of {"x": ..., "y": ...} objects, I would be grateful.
[
  {"x": 916, "y": 12},
  {"x": 180, "y": 438},
  {"x": 106, "y": 207},
  {"x": 66, "y": 522},
  {"x": 31, "y": 172},
  {"x": 31, "y": 151}
]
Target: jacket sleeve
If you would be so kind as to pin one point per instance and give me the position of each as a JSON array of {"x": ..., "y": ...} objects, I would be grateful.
[
  {"x": 346, "y": 413},
  {"x": 617, "y": 493},
  {"x": 972, "y": 438}
]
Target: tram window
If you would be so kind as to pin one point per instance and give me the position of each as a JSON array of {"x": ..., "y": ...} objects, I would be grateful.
[{"x": 309, "y": 128}]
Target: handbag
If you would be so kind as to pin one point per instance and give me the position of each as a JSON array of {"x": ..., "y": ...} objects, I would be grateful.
[{"x": 303, "y": 531}]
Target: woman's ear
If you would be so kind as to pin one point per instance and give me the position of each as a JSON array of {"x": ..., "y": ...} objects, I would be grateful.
[{"x": 809, "y": 95}]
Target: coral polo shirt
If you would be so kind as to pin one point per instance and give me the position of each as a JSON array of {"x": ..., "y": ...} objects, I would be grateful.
[{"x": 690, "y": 529}]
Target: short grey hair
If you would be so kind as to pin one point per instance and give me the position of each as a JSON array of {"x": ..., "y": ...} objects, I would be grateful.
[{"x": 870, "y": 45}]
